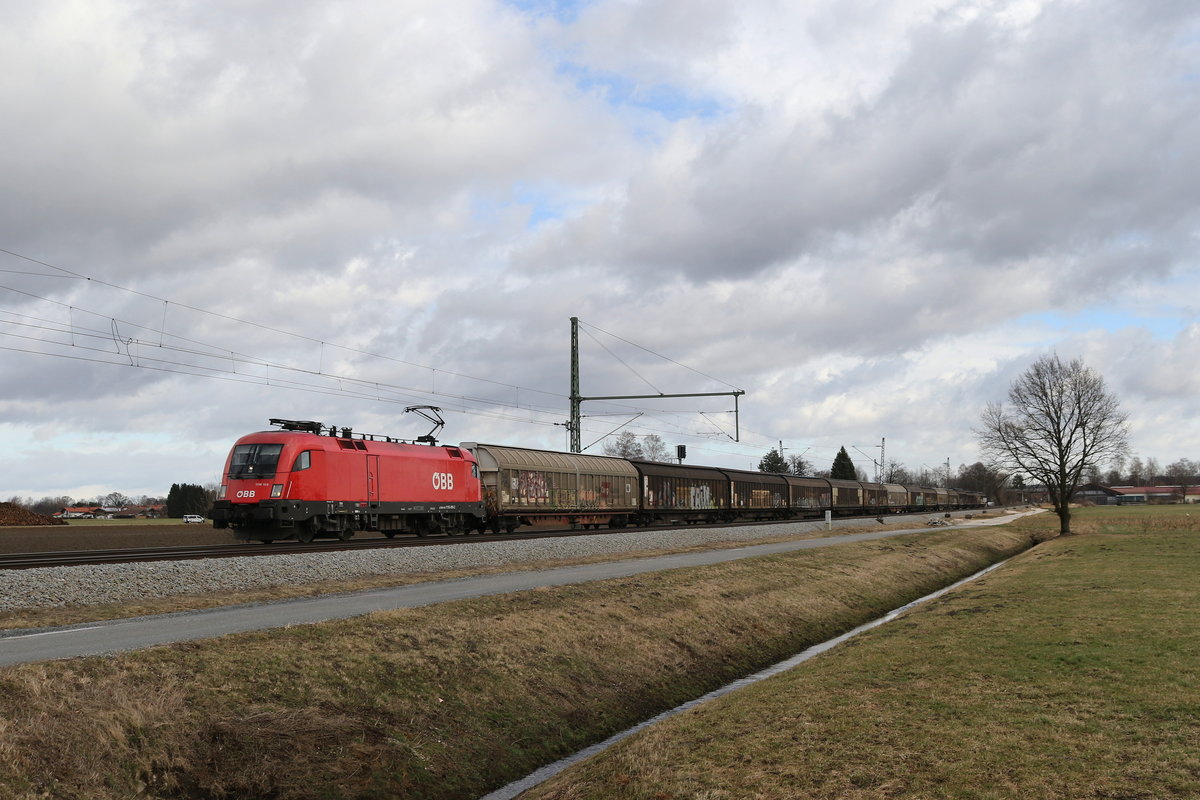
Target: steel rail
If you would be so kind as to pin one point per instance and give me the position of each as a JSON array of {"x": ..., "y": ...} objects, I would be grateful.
[{"x": 71, "y": 558}]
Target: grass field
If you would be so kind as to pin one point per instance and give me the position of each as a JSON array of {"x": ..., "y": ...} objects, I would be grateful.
[
  {"x": 447, "y": 701},
  {"x": 1073, "y": 672}
]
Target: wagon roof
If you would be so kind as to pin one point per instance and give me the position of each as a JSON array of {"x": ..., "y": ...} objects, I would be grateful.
[
  {"x": 754, "y": 477},
  {"x": 661, "y": 469},
  {"x": 805, "y": 480},
  {"x": 492, "y": 456}
]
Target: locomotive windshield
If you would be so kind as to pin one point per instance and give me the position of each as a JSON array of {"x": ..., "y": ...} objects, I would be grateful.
[{"x": 254, "y": 460}]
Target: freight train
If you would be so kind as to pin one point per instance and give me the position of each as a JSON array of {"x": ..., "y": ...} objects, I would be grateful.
[{"x": 307, "y": 480}]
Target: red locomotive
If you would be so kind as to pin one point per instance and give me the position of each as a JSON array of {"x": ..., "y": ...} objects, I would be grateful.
[{"x": 307, "y": 480}]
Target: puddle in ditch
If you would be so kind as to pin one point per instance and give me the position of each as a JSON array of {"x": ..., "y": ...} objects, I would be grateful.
[{"x": 550, "y": 770}]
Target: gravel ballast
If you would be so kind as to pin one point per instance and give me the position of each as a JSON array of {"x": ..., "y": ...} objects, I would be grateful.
[{"x": 122, "y": 583}]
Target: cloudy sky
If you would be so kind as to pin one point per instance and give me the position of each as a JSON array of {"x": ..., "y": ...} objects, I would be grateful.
[{"x": 869, "y": 215}]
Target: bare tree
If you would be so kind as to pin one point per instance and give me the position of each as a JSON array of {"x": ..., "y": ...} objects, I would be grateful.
[
  {"x": 981, "y": 478},
  {"x": 1183, "y": 474},
  {"x": 624, "y": 446},
  {"x": 1137, "y": 473},
  {"x": 1118, "y": 469},
  {"x": 49, "y": 505},
  {"x": 798, "y": 465},
  {"x": 115, "y": 500},
  {"x": 927, "y": 477},
  {"x": 895, "y": 472},
  {"x": 1061, "y": 419},
  {"x": 654, "y": 449}
]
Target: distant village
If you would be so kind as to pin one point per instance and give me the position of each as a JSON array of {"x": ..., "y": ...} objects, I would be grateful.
[
  {"x": 1100, "y": 495},
  {"x": 110, "y": 512},
  {"x": 1097, "y": 494},
  {"x": 183, "y": 498}
]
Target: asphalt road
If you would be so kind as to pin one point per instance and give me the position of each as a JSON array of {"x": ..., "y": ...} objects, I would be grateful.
[{"x": 88, "y": 639}]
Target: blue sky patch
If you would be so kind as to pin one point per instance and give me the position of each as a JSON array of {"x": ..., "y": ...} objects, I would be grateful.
[
  {"x": 544, "y": 202},
  {"x": 565, "y": 11},
  {"x": 670, "y": 102},
  {"x": 1164, "y": 326}
]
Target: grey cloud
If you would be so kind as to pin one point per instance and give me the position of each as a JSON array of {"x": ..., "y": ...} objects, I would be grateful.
[
  {"x": 190, "y": 133},
  {"x": 989, "y": 145}
]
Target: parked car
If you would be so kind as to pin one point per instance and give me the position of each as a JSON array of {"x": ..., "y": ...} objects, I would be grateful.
[{"x": 192, "y": 518}]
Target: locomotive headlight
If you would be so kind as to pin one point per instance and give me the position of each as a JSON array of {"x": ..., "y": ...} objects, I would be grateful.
[
  {"x": 277, "y": 490},
  {"x": 221, "y": 492}
]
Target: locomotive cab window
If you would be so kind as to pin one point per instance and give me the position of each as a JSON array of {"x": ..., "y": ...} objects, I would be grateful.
[
  {"x": 303, "y": 461},
  {"x": 254, "y": 461}
]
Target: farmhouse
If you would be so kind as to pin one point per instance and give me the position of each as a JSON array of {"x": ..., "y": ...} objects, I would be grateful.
[
  {"x": 80, "y": 512},
  {"x": 1157, "y": 494}
]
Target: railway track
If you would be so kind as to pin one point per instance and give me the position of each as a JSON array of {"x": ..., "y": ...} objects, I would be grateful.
[
  {"x": 74, "y": 558},
  {"x": 239, "y": 549},
  {"x": 130, "y": 555}
]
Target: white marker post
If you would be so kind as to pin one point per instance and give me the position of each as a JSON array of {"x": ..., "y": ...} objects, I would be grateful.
[{"x": 828, "y": 519}]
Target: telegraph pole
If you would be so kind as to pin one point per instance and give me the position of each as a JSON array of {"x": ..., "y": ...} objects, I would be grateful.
[
  {"x": 574, "y": 423},
  {"x": 576, "y": 400}
]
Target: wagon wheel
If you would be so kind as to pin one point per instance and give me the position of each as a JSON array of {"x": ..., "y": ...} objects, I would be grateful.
[{"x": 306, "y": 531}]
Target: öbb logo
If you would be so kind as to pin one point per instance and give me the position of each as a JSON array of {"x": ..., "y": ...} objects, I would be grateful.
[{"x": 443, "y": 481}]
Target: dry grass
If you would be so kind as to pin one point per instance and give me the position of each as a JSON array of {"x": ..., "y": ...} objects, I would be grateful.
[
  {"x": 1071, "y": 673},
  {"x": 446, "y": 701}
]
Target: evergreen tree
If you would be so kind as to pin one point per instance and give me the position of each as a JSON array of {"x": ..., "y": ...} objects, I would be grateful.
[
  {"x": 774, "y": 462},
  {"x": 187, "y": 498},
  {"x": 843, "y": 467},
  {"x": 173, "y": 502},
  {"x": 197, "y": 500}
]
